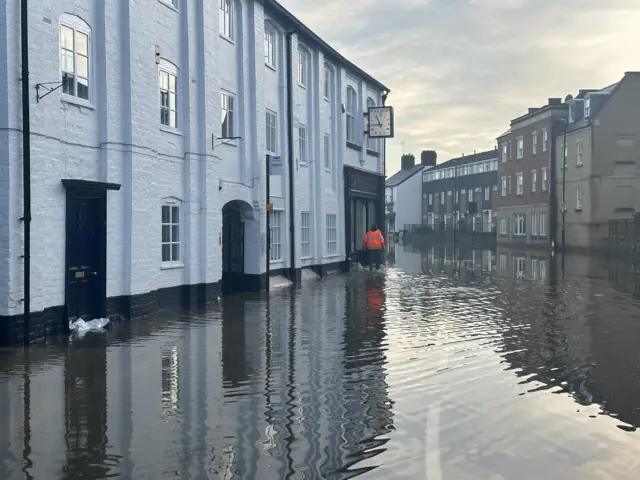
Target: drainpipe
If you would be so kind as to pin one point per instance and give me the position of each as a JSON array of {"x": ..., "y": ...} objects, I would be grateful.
[
  {"x": 292, "y": 199},
  {"x": 26, "y": 169},
  {"x": 384, "y": 166},
  {"x": 564, "y": 192},
  {"x": 268, "y": 249}
]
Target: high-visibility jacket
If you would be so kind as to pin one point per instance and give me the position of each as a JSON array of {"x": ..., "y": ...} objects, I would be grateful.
[{"x": 373, "y": 240}]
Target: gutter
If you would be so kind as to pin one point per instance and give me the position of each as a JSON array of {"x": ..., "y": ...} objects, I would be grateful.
[
  {"x": 26, "y": 170},
  {"x": 292, "y": 202}
]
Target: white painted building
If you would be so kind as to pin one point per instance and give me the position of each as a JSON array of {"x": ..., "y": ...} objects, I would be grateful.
[
  {"x": 403, "y": 194},
  {"x": 148, "y": 154}
]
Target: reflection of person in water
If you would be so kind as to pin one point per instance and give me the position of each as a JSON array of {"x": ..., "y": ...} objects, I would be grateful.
[{"x": 375, "y": 307}]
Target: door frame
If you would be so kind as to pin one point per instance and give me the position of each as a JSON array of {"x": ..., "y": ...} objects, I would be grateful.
[
  {"x": 232, "y": 215},
  {"x": 79, "y": 189}
]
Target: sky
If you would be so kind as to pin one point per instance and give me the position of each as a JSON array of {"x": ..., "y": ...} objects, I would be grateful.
[{"x": 460, "y": 70}]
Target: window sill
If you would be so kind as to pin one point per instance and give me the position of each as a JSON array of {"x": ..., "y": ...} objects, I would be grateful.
[
  {"x": 302, "y": 85},
  {"x": 373, "y": 153},
  {"x": 578, "y": 210},
  {"x": 228, "y": 39},
  {"x": 168, "y": 5},
  {"x": 332, "y": 255},
  {"x": 171, "y": 266},
  {"x": 171, "y": 130},
  {"x": 306, "y": 258},
  {"x": 79, "y": 102},
  {"x": 326, "y": 99},
  {"x": 273, "y": 262},
  {"x": 353, "y": 146},
  {"x": 578, "y": 165},
  {"x": 269, "y": 66}
]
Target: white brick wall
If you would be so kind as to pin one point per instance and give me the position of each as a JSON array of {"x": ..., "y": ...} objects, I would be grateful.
[{"x": 116, "y": 137}]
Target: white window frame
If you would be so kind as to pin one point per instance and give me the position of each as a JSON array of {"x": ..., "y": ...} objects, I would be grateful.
[
  {"x": 303, "y": 143},
  {"x": 305, "y": 234},
  {"x": 503, "y": 182},
  {"x": 225, "y": 23},
  {"x": 542, "y": 218},
  {"x": 519, "y": 267},
  {"x": 332, "y": 234},
  {"x": 77, "y": 25},
  {"x": 519, "y": 148},
  {"x": 534, "y": 224},
  {"x": 431, "y": 199},
  {"x": 270, "y": 42},
  {"x": 327, "y": 82},
  {"x": 175, "y": 257},
  {"x": 579, "y": 198},
  {"x": 503, "y": 261},
  {"x": 171, "y": 73},
  {"x": 519, "y": 184},
  {"x": 508, "y": 184},
  {"x": 487, "y": 194},
  {"x": 228, "y": 105},
  {"x": 350, "y": 110},
  {"x": 579, "y": 154},
  {"x": 544, "y": 179},
  {"x": 587, "y": 107},
  {"x": 442, "y": 198},
  {"x": 470, "y": 195},
  {"x": 276, "y": 224},
  {"x": 303, "y": 66},
  {"x": 503, "y": 226},
  {"x": 271, "y": 132},
  {"x": 519, "y": 225},
  {"x": 327, "y": 152},
  {"x": 534, "y": 143},
  {"x": 545, "y": 140},
  {"x": 372, "y": 143},
  {"x": 534, "y": 180}
]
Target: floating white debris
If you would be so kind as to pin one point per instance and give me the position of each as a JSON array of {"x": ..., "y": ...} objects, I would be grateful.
[{"x": 81, "y": 326}]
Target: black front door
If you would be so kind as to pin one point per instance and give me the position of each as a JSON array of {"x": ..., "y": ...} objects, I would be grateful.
[
  {"x": 86, "y": 255},
  {"x": 232, "y": 252}
]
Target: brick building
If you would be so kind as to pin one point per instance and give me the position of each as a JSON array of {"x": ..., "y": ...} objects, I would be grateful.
[
  {"x": 148, "y": 157},
  {"x": 525, "y": 174}
]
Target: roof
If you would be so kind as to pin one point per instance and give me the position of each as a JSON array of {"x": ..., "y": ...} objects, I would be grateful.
[
  {"x": 301, "y": 28},
  {"x": 403, "y": 175},
  {"x": 476, "y": 157}
]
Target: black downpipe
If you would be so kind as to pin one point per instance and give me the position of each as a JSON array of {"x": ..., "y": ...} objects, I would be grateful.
[
  {"x": 292, "y": 204},
  {"x": 268, "y": 249},
  {"x": 26, "y": 170}
]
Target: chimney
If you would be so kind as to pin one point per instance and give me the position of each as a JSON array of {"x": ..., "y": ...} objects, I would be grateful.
[
  {"x": 532, "y": 110},
  {"x": 407, "y": 161},
  {"x": 428, "y": 158},
  {"x": 555, "y": 101}
]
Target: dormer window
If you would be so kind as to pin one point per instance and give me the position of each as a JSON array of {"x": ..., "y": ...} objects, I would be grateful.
[
  {"x": 572, "y": 113},
  {"x": 587, "y": 107}
]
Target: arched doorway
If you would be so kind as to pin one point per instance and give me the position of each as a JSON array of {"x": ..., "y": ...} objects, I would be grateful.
[{"x": 233, "y": 246}]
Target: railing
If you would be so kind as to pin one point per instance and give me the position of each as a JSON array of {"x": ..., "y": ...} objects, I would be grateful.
[
  {"x": 448, "y": 228},
  {"x": 625, "y": 229}
]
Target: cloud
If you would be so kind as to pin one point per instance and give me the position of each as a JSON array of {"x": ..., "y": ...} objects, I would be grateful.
[{"x": 460, "y": 70}]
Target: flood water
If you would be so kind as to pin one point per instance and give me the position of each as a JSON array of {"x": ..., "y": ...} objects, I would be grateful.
[{"x": 479, "y": 365}]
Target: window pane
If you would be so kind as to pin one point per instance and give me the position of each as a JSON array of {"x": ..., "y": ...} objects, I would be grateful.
[
  {"x": 175, "y": 233},
  {"x": 172, "y": 101},
  {"x": 175, "y": 217},
  {"x": 82, "y": 43},
  {"x": 68, "y": 83},
  {"x": 164, "y": 116},
  {"x": 164, "y": 98},
  {"x": 166, "y": 233},
  {"x": 164, "y": 80},
  {"x": 172, "y": 83},
  {"x": 82, "y": 66},
  {"x": 175, "y": 252},
  {"x": 66, "y": 37},
  {"x": 166, "y": 218},
  {"x": 173, "y": 122},
  {"x": 83, "y": 88},
  {"x": 166, "y": 253},
  {"x": 67, "y": 61}
]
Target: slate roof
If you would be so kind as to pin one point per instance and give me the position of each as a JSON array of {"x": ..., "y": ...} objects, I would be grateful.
[
  {"x": 476, "y": 157},
  {"x": 403, "y": 175}
]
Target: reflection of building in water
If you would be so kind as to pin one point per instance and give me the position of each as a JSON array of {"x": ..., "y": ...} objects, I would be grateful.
[
  {"x": 523, "y": 264},
  {"x": 408, "y": 258},
  {"x": 170, "y": 379},
  {"x": 444, "y": 258}
]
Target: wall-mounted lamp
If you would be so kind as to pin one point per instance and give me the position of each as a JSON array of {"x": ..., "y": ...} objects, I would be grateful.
[
  {"x": 344, "y": 109},
  {"x": 158, "y": 54},
  {"x": 220, "y": 182}
]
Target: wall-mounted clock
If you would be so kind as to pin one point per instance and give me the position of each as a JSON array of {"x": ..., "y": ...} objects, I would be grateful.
[{"x": 380, "y": 122}]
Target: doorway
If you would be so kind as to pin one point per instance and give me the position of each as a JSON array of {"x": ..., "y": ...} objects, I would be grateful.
[
  {"x": 86, "y": 249},
  {"x": 233, "y": 248}
]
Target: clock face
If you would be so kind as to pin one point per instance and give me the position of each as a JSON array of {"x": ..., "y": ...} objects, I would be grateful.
[{"x": 380, "y": 122}]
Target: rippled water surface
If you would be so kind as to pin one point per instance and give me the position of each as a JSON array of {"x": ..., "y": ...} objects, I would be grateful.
[{"x": 489, "y": 365}]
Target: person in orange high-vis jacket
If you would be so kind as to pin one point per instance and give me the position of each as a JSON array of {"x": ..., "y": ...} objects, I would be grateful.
[{"x": 373, "y": 242}]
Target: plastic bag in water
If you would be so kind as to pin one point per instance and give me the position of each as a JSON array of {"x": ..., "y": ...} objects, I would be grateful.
[{"x": 81, "y": 326}]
